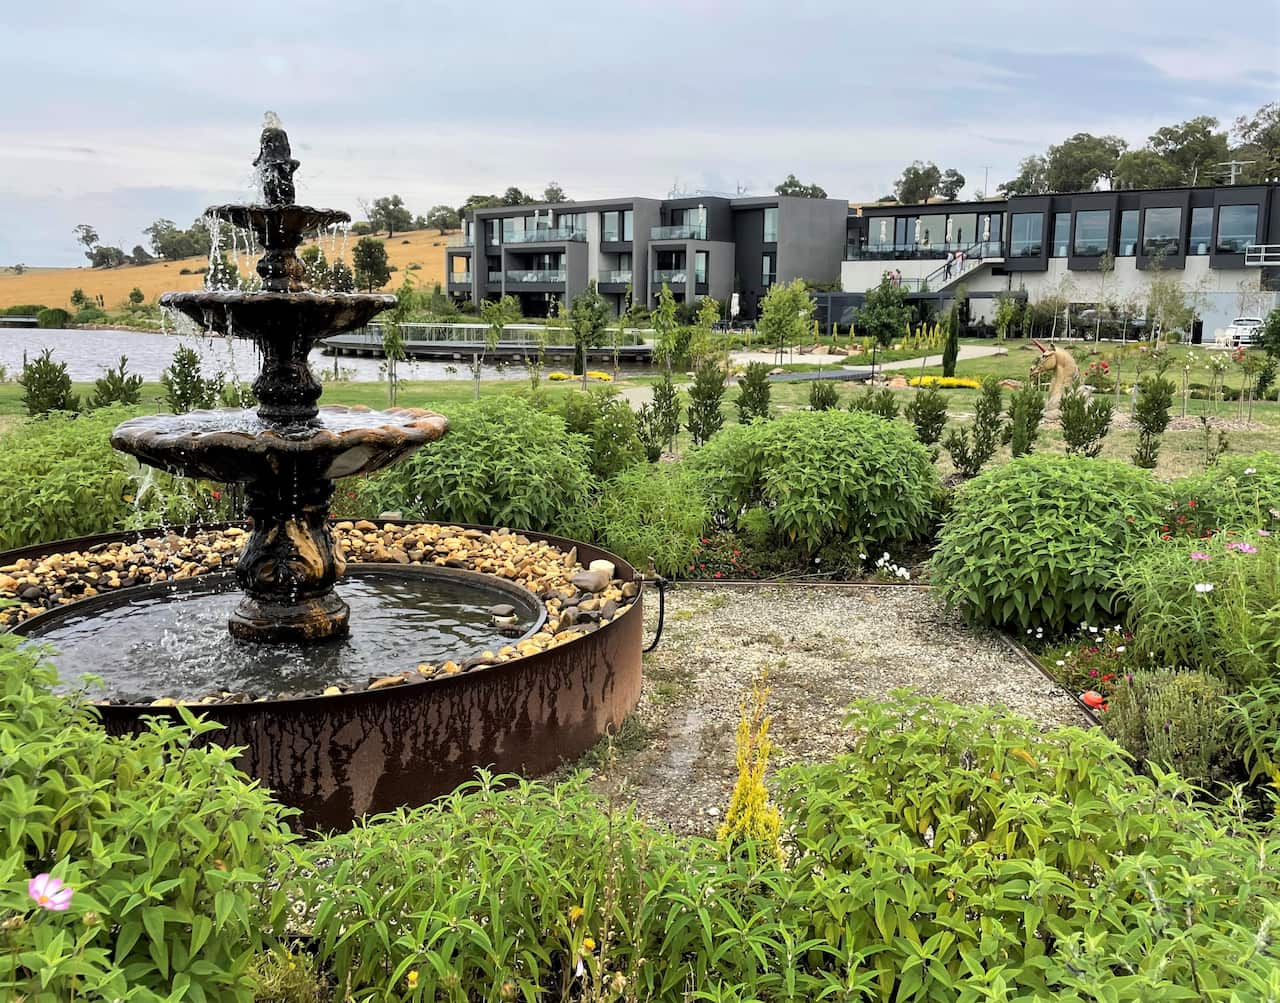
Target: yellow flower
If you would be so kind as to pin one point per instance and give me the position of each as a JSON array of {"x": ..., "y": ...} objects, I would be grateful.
[
  {"x": 575, "y": 913},
  {"x": 588, "y": 945},
  {"x": 412, "y": 978}
]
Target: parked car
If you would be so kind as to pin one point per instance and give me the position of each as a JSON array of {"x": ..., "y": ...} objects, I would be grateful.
[{"x": 1242, "y": 332}]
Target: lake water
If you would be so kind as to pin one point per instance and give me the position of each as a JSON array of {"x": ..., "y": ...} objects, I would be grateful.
[{"x": 88, "y": 352}]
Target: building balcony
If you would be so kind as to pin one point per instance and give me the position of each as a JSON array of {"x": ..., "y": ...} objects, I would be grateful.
[
  {"x": 460, "y": 240},
  {"x": 544, "y": 236},
  {"x": 677, "y": 233},
  {"x": 533, "y": 276},
  {"x": 620, "y": 277},
  {"x": 494, "y": 278},
  {"x": 459, "y": 278},
  {"x": 671, "y": 276}
]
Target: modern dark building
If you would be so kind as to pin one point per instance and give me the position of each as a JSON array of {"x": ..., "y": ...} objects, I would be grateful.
[
  {"x": 1223, "y": 243},
  {"x": 698, "y": 246}
]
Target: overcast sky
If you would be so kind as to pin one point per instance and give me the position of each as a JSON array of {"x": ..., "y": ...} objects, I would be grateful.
[{"x": 116, "y": 113}]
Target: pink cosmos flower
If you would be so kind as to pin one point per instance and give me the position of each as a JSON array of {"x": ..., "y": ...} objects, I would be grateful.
[
  {"x": 1264, "y": 532},
  {"x": 1200, "y": 555},
  {"x": 49, "y": 893},
  {"x": 1244, "y": 548}
]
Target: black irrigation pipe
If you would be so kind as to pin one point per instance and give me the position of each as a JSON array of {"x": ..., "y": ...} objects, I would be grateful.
[{"x": 1014, "y": 646}]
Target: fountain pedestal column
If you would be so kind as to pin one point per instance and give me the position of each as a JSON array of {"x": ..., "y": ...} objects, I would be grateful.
[{"x": 289, "y": 564}]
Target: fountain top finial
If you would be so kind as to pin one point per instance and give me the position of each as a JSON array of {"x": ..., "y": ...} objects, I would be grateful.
[{"x": 275, "y": 163}]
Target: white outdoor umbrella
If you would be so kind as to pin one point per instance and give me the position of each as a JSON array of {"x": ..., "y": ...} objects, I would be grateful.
[
  {"x": 884, "y": 230},
  {"x": 948, "y": 229},
  {"x": 917, "y": 229},
  {"x": 986, "y": 228}
]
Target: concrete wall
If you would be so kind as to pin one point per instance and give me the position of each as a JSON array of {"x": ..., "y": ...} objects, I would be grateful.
[{"x": 811, "y": 238}]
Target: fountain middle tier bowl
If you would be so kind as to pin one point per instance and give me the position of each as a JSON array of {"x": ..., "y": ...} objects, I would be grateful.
[
  {"x": 234, "y": 445},
  {"x": 278, "y": 315}
]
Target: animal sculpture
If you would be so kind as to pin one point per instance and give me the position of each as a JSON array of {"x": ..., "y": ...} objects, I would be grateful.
[{"x": 1058, "y": 364}]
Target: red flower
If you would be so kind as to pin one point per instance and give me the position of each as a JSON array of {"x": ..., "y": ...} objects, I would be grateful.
[
  {"x": 718, "y": 575},
  {"x": 1191, "y": 503}
]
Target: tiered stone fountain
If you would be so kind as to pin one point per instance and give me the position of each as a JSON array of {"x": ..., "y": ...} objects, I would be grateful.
[{"x": 289, "y": 451}]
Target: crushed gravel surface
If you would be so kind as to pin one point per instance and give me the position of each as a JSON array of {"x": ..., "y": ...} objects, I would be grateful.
[{"x": 823, "y": 648}]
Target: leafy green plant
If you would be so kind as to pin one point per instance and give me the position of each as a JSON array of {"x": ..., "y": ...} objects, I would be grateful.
[
  {"x": 1155, "y": 398},
  {"x": 823, "y": 395},
  {"x": 164, "y": 845},
  {"x": 117, "y": 386},
  {"x": 508, "y": 464},
  {"x": 972, "y": 446},
  {"x": 827, "y": 483},
  {"x": 1241, "y": 492},
  {"x": 1085, "y": 421},
  {"x": 927, "y": 412},
  {"x": 653, "y": 513},
  {"x": 608, "y": 424},
  {"x": 1253, "y": 721},
  {"x": 705, "y": 418},
  {"x": 1036, "y": 543},
  {"x": 53, "y": 317},
  {"x": 1211, "y": 605},
  {"x": 1026, "y": 409},
  {"x": 666, "y": 410},
  {"x": 1175, "y": 720},
  {"x": 880, "y": 402},
  {"x": 185, "y": 386},
  {"x": 46, "y": 386},
  {"x": 753, "y": 398}
]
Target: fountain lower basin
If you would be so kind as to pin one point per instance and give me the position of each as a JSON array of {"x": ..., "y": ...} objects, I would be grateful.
[{"x": 170, "y": 641}]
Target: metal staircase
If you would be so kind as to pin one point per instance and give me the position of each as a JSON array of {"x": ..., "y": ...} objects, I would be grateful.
[{"x": 975, "y": 256}]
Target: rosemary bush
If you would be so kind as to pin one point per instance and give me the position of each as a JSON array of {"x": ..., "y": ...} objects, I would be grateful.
[
  {"x": 655, "y": 513},
  {"x": 1174, "y": 720},
  {"x": 1036, "y": 543}
]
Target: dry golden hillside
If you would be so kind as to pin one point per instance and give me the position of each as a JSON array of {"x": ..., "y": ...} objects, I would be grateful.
[{"x": 53, "y": 286}]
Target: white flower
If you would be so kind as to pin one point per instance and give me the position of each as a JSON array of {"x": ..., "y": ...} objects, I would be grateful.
[
  {"x": 862, "y": 557},
  {"x": 1093, "y": 630},
  {"x": 1204, "y": 586},
  {"x": 1061, "y": 662},
  {"x": 1250, "y": 470},
  {"x": 1119, "y": 649}
]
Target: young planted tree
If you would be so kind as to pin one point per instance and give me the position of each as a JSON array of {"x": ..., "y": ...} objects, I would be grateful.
[
  {"x": 1106, "y": 266},
  {"x": 46, "y": 386},
  {"x": 972, "y": 447},
  {"x": 185, "y": 387},
  {"x": 1155, "y": 398},
  {"x": 927, "y": 412},
  {"x": 496, "y": 314},
  {"x": 700, "y": 347},
  {"x": 754, "y": 394},
  {"x": 665, "y": 329},
  {"x": 1085, "y": 421},
  {"x": 588, "y": 318},
  {"x": 393, "y": 334},
  {"x": 784, "y": 315},
  {"x": 1026, "y": 409},
  {"x": 884, "y": 314},
  {"x": 666, "y": 409},
  {"x": 705, "y": 418},
  {"x": 117, "y": 386}
]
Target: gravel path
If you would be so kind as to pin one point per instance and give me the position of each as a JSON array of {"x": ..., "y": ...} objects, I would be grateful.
[{"x": 823, "y": 648}]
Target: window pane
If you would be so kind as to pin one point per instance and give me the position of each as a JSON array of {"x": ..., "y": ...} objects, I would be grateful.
[
  {"x": 932, "y": 230},
  {"x": 771, "y": 226},
  {"x": 1128, "y": 233},
  {"x": 610, "y": 228},
  {"x": 1237, "y": 227},
  {"x": 767, "y": 273},
  {"x": 1201, "y": 230},
  {"x": 963, "y": 229},
  {"x": 1092, "y": 232},
  {"x": 700, "y": 266},
  {"x": 1061, "y": 231},
  {"x": 1026, "y": 237},
  {"x": 1161, "y": 230},
  {"x": 628, "y": 219}
]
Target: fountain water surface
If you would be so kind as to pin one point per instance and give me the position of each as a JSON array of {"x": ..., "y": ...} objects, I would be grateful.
[{"x": 289, "y": 451}]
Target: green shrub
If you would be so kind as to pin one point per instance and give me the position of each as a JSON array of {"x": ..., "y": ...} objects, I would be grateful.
[
  {"x": 1036, "y": 542},
  {"x": 185, "y": 388},
  {"x": 957, "y": 845},
  {"x": 972, "y": 446},
  {"x": 53, "y": 317},
  {"x": 22, "y": 310},
  {"x": 829, "y": 483},
  {"x": 1151, "y": 412},
  {"x": 1240, "y": 492},
  {"x": 823, "y": 395},
  {"x": 655, "y": 513},
  {"x": 1085, "y": 421},
  {"x": 89, "y": 315},
  {"x": 878, "y": 402},
  {"x": 502, "y": 463},
  {"x": 927, "y": 413},
  {"x": 1253, "y": 721},
  {"x": 608, "y": 424},
  {"x": 1212, "y": 605},
  {"x": 1026, "y": 409},
  {"x": 666, "y": 409},
  {"x": 705, "y": 418},
  {"x": 165, "y": 845},
  {"x": 46, "y": 386},
  {"x": 116, "y": 386},
  {"x": 1176, "y": 720},
  {"x": 753, "y": 398},
  {"x": 62, "y": 478}
]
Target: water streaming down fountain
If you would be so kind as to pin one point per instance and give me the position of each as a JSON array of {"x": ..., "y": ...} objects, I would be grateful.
[{"x": 289, "y": 451}]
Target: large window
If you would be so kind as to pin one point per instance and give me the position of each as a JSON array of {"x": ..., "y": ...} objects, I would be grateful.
[
  {"x": 1092, "y": 232},
  {"x": 768, "y": 273},
  {"x": 1201, "y": 230},
  {"x": 611, "y": 226},
  {"x": 512, "y": 229},
  {"x": 771, "y": 226},
  {"x": 700, "y": 266},
  {"x": 933, "y": 231},
  {"x": 1127, "y": 246},
  {"x": 1026, "y": 235},
  {"x": 1161, "y": 231},
  {"x": 963, "y": 229},
  {"x": 1061, "y": 234},
  {"x": 628, "y": 223},
  {"x": 492, "y": 228},
  {"x": 1237, "y": 227}
]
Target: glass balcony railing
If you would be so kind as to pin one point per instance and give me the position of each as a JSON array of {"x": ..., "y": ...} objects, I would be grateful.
[
  {"x": 495, "y": 278},
  {"x": 672, "y": 276},
  {"x": 460, "y": 240},
  {"x": 620, "y": 276},
  {"x": 459, "y": 278},
  {"x": 543, "y": 275},
  {"x": 539, "y": 236},
  {"x": 677, "y": 233}
]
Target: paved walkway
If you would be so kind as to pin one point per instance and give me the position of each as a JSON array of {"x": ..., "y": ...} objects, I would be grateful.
[{"x": 863, "y": 361}]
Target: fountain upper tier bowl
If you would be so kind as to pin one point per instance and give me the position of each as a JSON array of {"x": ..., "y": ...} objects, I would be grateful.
[
  {"x": 278, "y": 316},
  {"x": 236, "y": 445}
]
